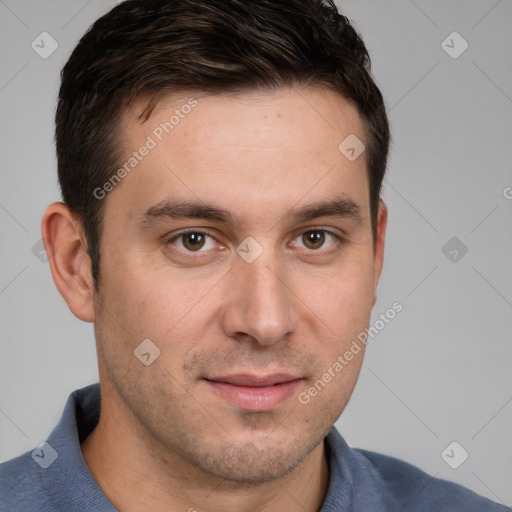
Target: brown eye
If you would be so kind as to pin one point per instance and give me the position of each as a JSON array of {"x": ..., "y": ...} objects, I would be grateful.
[
  {"x": 313, "y": 239},
  {"x": 193, "y": 241}
]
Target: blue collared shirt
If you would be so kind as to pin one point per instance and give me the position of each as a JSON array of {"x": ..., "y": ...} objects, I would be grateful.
[{"x": 54, "y": 476}]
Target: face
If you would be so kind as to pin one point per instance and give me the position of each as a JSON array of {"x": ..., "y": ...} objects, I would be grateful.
[{"x": 240, "y": 244}]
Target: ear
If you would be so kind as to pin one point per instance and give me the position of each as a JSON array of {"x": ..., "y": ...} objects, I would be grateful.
[
  {"x": 66, "y": 249},
  {"x": 378, "y": 257}
]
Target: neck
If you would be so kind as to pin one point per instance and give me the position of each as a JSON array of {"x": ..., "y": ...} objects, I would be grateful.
[{"x": 136, "y": 473}]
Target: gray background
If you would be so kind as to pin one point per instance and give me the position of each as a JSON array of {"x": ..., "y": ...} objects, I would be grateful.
[{"x": 440, "y": 371}]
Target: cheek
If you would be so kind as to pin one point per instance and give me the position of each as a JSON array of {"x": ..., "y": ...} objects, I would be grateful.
[
  {"x": 159, "y": 304},
  {"x": 343, "y": 299}
]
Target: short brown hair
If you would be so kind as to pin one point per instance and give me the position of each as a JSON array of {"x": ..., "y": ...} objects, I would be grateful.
[{"x": 155, "y": 47}]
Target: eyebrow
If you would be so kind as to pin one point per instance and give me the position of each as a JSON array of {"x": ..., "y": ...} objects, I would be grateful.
[
  {"x": 338, "y": 207},
  {"x": 170, "y": 209},
  {"x": 175, "y": 209}
]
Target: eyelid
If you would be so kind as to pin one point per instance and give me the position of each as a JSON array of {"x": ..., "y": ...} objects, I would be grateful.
[
  {"x": 170, "y": 239},
  {"x": 338, "y": 239}
]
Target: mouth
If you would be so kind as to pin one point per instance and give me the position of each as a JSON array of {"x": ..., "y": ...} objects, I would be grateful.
[{"x": 255, "y": 393}]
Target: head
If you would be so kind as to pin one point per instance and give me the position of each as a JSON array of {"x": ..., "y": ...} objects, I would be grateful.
[{"x": 208, "y": 207}]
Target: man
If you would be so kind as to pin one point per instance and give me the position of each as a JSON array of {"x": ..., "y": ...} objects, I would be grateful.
[{"x": 221, "y": 164}]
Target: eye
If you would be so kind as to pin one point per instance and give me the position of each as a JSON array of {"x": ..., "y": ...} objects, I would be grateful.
[
  {"x": 193, "y": 241},
  {"x": 315, "y": 239}
]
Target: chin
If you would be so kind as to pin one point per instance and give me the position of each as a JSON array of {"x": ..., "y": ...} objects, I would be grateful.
[{"x": 249, "y": 465}]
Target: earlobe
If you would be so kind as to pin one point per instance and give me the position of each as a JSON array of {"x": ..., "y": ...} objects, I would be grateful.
[
  {"x": 378, "y": 259},
  {"x": 70, "y": 264}
]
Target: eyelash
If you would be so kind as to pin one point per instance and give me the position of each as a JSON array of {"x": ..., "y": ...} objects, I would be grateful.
[
  {"x": 176, "y": 237},
  {"x": 336, "y": 239}
]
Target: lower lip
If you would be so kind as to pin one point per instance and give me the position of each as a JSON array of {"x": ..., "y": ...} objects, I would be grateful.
[{"x": 256, "y": 399}]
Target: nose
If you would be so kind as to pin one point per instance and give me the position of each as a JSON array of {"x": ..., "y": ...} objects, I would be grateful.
[{"x": 261, "y": 305}]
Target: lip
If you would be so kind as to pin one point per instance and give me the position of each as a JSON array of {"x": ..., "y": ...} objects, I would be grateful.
[{"x": 255, "y": 393}]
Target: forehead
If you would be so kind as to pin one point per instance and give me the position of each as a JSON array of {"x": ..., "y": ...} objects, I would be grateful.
[
  {"x": 255, "y": 149},
  {"x": 313, "y": 113}
]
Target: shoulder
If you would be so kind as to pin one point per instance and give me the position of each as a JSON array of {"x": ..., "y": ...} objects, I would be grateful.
[
  {"x": 54, "y": 476},
  {"x": 362, "y": 480},
  {"x": 418, "y": 491},
  {"x": 22, "y": 486}
]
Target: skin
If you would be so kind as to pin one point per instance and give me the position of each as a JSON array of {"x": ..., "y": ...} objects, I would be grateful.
[{"x": 167, "y": 440}]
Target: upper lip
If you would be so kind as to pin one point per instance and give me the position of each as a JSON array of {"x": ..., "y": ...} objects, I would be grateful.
[{"x": 254, "y": 380}]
